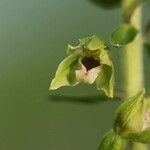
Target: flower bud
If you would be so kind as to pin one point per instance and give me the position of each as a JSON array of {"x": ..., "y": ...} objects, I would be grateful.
[
  {"x": 143, "y": 136},
  {"x": 130, "y": 116},
  {"x": 112, "y": 141}
]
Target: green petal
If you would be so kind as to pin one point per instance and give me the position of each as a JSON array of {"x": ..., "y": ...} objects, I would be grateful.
[
  {"x": 123, "y": 35},
  {"x": 104, "y": 57},
  {"x": 129, "y": 117},
  {"x": 105, "y": 80},
  {"x": 95, "y": 43},
  {"x": 65, "y": 74},
  {"x": 112, "y": 141}
]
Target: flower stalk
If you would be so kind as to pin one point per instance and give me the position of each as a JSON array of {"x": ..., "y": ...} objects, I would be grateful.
[{"x": 133, "y": 63}]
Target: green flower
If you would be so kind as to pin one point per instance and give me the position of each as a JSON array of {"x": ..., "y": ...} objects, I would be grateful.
[
  {"x": 132, "y": 119},
  {"x": 88, "y": 62}
]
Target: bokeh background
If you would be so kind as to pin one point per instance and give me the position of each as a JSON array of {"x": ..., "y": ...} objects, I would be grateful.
[{"x": 33, "y": 39}]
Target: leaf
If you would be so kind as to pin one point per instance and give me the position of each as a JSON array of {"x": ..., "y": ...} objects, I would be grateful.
[
  {"x": 112, "y": 141},
  {"x": 105, "y": 80},
  {"x": 123, "y": 35},
  {"x": 129, "y": 117},
  {"x": 107, "y": 3},
  {"x": 65, "y": 74}
]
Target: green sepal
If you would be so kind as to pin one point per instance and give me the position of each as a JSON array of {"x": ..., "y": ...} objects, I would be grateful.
[
  {"x": 65, "y": 74},
  {"x": 129, "y": 117},
  {"x": 104, "y": 57},
  {"x": 123, "y": 35},
  {"x": 144, "y": 135},
  {"x": 73, "y": 49},
  {"x": 96, "y": 43},
  {"x": 112, "y": 141},
  {"x": 105, "y": 80},
  {"x": 141, "y": 137},
  {"x": 92, "y": 43}
]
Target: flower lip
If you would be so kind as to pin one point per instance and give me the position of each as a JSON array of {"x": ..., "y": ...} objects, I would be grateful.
[{"x": 90, "y": 62}]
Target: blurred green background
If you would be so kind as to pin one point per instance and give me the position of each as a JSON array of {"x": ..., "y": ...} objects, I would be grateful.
[{"x": 33, "y": 39}]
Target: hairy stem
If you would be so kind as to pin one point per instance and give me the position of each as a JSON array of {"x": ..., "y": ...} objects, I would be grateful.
[{"x": 133, "y": 64}]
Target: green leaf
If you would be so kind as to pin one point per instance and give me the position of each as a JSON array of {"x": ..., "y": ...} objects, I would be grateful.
[
  {"x": 112, "y": 141},
  {"x": 129, "y": 117},
  {"x": 123, "y": 35},
  {"x": 107, "y": 4},
  {"x": 65, "y": 74},
  {"x": 105, "y": 80}
]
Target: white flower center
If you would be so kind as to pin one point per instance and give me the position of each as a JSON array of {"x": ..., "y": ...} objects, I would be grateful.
[{"x": 89, "y": 71}]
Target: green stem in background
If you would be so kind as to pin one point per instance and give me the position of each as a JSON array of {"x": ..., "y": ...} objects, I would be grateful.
[{"x": 133, "y": 64}]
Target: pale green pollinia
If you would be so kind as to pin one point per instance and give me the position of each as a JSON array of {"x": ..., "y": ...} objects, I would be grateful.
[
  {"x": 112, "y": 141},
  {"x": 88, "y": 62}
]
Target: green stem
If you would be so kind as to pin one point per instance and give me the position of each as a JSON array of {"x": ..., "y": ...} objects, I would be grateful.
[
  {"x": 139, "y": 146},
  {"x": 133, "y": 64},
  {"x": 133, "y": 59}
]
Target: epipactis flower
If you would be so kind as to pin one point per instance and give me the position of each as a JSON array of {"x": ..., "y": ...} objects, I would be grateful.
[
  {"x": 88, "y": 62},
  {"x": 132, "y": 119}
]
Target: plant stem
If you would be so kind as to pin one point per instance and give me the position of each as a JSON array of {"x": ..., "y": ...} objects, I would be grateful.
[
  {"x": 133, "y": 59},
  {"x": 139, "y": 146},
  {"x": 133, "y": 64}
]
